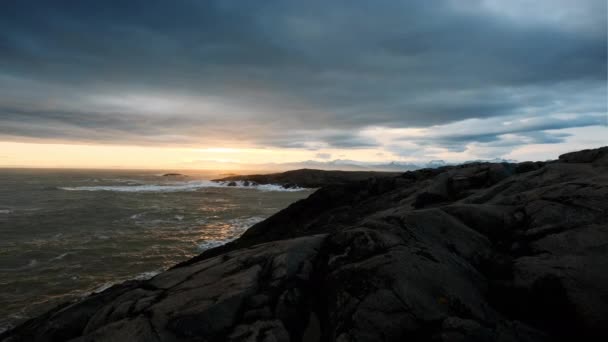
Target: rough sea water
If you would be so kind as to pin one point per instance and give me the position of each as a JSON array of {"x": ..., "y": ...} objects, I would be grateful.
[{"x": 67, "y": 233}]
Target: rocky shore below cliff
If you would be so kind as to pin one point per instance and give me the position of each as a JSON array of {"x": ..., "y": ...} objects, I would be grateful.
[{"x": 477, "y": 252}]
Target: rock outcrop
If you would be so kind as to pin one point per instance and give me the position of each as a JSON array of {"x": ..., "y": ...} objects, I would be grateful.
[
  {"x": 307, "y": 178},
  {"x": 479, "y": 252},
  {"x": 174, "y": 175}
]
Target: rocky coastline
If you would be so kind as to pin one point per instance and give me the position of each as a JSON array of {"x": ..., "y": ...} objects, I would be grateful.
[
  {"x": 476, "y": 252},
  {"x": 305, "y": 178}
]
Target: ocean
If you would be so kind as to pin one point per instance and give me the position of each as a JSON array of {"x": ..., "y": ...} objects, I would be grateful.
[{"x": 67, "y": 233}]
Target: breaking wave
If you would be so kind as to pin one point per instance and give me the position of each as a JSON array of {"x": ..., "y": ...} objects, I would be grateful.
[
  {"x": 107, "y": 285},
  {"x": 183, "y": 187}
]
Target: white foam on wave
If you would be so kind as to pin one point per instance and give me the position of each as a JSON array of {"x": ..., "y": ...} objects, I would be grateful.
[
  {"x": 182, "y": 187},
  {"x": 103, "y": 287},
  {"x": 212, "y": 244},
  {"x": 147, "y": 275},
  {"x": 61, "y": 256},
  {"x": 262, "y": 187},
  {"x": 137, "y": 216},
  {"x": 185, "y": 186},
  {"x": 5, "y": 211},
  {"x": 141, "y": 276}
]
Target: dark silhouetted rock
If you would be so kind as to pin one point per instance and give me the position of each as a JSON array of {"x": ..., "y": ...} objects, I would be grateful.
[
  {"x": 307, "y": 178},
  {"x": 477, "y": 252},
  {"x": 599, "y": 155}
]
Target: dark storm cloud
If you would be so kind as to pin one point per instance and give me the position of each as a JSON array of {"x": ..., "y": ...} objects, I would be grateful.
[{"x": 282, "y": 67}]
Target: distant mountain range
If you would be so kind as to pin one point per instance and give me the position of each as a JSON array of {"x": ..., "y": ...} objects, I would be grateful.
[
  {"x": 336, "y": 164},
  {"x": 354, "y": 165}
]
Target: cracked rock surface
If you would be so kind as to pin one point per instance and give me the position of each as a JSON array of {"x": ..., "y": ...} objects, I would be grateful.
[{"x": 477, "y": 252}]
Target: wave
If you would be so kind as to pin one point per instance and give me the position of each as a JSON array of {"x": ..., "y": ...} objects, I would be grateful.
[
  {"x": 209, "y": 244},
  {"x": 237, "y": 228},
  {"x": 107, "y": 285},
  {"x": 262, "y": 187},
  {"x": 61, "y": 256},
  {"x": 147, "y": 275},
  {"x": 183, "y": 187}
]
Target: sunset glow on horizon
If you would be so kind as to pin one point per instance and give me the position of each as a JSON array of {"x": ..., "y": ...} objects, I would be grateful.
[{"x": 55, "y": 155}]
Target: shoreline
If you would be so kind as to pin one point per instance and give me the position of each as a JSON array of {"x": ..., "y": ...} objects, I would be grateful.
[{"x": 454, "y": 250}]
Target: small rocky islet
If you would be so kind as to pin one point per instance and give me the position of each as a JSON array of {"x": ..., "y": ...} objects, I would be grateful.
[
  {"x": 172, "y": 174},
  {"x": 476, "y": 252}
]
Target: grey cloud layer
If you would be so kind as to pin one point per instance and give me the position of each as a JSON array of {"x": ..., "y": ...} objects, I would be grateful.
[
  {"x": 508, "y": 131},
  {"x": 272, "y": 69}
]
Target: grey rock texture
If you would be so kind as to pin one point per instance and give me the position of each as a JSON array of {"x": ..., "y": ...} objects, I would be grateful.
[{"x": 478, "y": 252}]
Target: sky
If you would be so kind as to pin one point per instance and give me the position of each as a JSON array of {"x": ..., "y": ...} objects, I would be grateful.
[{"x": 222, "y": 83}]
